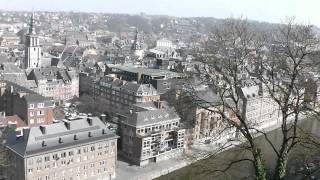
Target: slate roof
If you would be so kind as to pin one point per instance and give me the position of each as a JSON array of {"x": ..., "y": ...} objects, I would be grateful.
[
  {"x": 57, "y": 136},
  {"x": 36, "y": 98},
  {"x": 145, "y": 71},
  {"x": 148, "y": 114},
  {"x": 129, "y": 87}
]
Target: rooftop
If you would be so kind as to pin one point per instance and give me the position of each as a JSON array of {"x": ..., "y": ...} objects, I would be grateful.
[
  {"x": 66, "y": 134},
  {"x": 145, "y": 71}
]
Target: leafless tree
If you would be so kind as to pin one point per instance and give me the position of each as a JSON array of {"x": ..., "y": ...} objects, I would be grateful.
[{"x": 281, "y": 64}]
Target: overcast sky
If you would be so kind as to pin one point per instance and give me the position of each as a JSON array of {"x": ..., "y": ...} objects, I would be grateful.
[{"x": 306, "y": 11}]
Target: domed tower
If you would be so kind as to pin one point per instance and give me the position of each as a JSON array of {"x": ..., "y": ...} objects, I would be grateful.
[
  {"x": 137, "y": 48},
  {"x": 32, "y": 47}
]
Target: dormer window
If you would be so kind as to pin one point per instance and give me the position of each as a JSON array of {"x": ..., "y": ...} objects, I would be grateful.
[
  {"x": 40, "y": 105},
  {"x": 31, "y": 106}
]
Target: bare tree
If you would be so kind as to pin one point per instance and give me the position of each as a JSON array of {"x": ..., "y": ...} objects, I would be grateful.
[{"x": 279, "y": 64}]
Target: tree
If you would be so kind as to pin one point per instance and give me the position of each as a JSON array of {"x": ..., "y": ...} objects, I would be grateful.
[{"x": 279, "y": 64}]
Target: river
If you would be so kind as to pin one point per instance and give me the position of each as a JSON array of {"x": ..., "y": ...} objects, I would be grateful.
[{"x": 300, "y": 156}]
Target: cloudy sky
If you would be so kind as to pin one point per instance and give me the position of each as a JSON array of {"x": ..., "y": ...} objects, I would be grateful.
[{"x": 305, "y": 11}]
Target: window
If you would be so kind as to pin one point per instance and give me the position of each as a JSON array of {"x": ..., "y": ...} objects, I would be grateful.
[
  {"x": 31, "y": 121},
  {"x": 30, "y": 170},
  {"x": 47, "y": 158},
  {"x": 31, "y": 106},
  {"x": 40, "y": 113},
  {"x": 70, "y": 153},
  {"x": 31, "y": 113},
  {"x": 40, "y": 105},
  {"x": 40, "y": 120}
]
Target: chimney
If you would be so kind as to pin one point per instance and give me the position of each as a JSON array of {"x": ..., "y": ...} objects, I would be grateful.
[
  {"x": 44, "y": 143},
  {"x": 12, "y": 126},
  {"x": 103, "y": 118},
  {"x": 89, "y": 121},
  {"x": 75, "y": 137},
  {"x": 26, "y": 132},
  {"x": 43, "y": 129},
  {"x": 67, "y": 124}
]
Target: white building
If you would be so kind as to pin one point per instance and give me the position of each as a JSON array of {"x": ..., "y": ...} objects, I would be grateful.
[{"x": 33, "y": 48}]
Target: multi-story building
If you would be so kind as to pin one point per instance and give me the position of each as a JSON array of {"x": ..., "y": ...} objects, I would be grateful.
[
  {"x": 151, "y": 132},
  {"x": 55, "y": 83},
  {"x": 258, "y": 108},
  {"x": 200, "y": 110},
  {"x": 162, "y": 80},
  {"x": 120, "y": 95},
  {"x": 33, "y": 109},
  {"x": 9, "y": 40},
  {"x": 79, "y": 149}
]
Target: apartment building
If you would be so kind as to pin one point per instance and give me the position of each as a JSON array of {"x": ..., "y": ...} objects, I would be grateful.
[
  {"x": 78, "y": 149},
  {"x": 33, "y": 109},
  {"x": 151, "y": 132},
  {"x": 258, "y": 108},
  {"x": 56, "y": 83},
  {"x": 120, "y": 95},
  {"x": 200, "y": 110}
]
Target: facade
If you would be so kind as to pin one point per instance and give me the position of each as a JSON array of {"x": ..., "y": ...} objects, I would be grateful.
[
  {"x": 56, "y": 83},
  {"x": 151, "y": 132},
  {"x": 33, "y": 109},
  {"x": 120, "y": 95},
  {"x": 33, "y": 49},
  {"x": 200, "y": 111},
  {"x": 9, "y": 40},
  {"x": 79, "y": 149},
  {"x": 258, "y": 108},
  {"x": 162, "y": 80}
]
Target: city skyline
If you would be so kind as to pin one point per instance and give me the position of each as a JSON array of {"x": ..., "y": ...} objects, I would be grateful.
[{"x": 269, "y": 11}]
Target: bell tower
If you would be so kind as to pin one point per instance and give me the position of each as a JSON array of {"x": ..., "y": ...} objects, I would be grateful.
[{"x": 32, "y": 47}]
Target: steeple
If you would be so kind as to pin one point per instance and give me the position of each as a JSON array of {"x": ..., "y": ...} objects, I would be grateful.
[
  {"x": 32, "y": 29},
  {"x": 32, "y": 47},
  {"x": 136, "y": 45}
]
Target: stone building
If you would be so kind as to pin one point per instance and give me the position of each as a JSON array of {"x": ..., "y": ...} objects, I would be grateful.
[
  {"x": 151, "y": 132},
  {"x": 79, "y": 149},
  {"x": 120, "y": 95},
  {"x": 55, "y": 83},
  {"x": 200, "y": 110},
  {"x": 258, "y": 108}
]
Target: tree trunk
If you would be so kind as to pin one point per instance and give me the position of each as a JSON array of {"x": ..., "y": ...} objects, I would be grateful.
[
  {"x": 280, "y": 170},
  {"x": 259, "y": 165}
]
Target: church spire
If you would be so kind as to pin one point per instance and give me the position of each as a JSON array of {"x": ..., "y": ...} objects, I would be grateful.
[
  {"x": 32, "y": 29},
  {"x": 136, "y": 45}
]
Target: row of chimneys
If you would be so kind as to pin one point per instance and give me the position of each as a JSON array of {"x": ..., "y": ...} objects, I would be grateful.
[
  {"x": 75, "y": 137},
  {"x": 66, "y": 123}
]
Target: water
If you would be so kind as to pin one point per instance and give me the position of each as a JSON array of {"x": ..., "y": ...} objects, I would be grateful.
[{"x": 206, "y": 169}]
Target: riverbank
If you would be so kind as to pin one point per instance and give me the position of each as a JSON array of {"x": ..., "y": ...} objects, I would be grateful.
[{"x": 196, "y": 153}]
